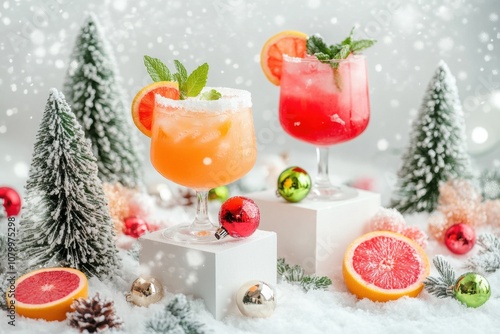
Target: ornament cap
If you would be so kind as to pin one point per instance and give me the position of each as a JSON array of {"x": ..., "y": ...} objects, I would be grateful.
[{"x": 221, "y": 233}]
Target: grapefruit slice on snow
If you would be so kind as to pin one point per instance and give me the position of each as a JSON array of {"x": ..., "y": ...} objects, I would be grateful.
[
  {"x": 49, "y": 292},
  {"x": 384, "y": 266}
]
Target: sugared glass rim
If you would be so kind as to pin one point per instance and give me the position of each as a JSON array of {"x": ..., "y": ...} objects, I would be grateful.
[
  {"x": 232, "y": 100},
  {"x": 313, "y": 59}
]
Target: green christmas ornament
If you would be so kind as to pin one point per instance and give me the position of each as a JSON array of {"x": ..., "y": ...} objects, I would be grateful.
[
  {"x": 220, "y": 193},
  {"x": 472, "y": 290},
  {"x": 293, "y": 184}
]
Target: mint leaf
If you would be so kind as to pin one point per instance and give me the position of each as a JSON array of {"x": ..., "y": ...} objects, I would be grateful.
[
  {"x": 344, "y": 52},
  {"x": 323, "y": 57},
  {"x": 317, "y": 47},
  {"x": 362, "y": 44},
  {"x": 181, "y": 70},
  {"x": 334, "y": 49},
  {"x": 197, "y": 80},
  {"x": 348, "y": 40},
  {"x": 156, "y": 69},
  {"x": 182, "y": 85},
  {"x": 189, "y": 86},
  {"x": 212, "y": 94},
  {"x": 315, "y": 44}
]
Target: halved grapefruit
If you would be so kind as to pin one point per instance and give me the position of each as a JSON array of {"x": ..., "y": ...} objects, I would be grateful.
[
  {"x": 289, "y": 42},
  {"x": 384, "y": 266},
  {"x": 144, "y": 103},
  {"x": 48, "y": 293}
]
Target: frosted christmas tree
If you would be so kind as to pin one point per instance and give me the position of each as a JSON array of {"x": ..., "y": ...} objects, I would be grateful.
[
  {"x": 437, "y": 150},
  {"x": 92, "y": 89},
  {"x": 65, "y": 219}
]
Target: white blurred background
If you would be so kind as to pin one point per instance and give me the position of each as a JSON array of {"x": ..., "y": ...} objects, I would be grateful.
[{"x": 36, "y": 38}]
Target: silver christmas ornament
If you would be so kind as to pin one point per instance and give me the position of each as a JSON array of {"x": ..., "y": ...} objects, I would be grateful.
[
  {"x": 256, "y": 299},
  {"x": 145, "y": 291}
]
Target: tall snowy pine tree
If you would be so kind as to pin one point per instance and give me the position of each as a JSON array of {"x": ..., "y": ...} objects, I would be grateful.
[
  {"x": 94, "y": 93},
  {"x": 437, "y": 150},
  {"x": 65, "y": 219}
]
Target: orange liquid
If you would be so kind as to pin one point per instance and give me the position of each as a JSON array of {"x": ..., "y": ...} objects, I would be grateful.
[{"x": 202, "y": 149}]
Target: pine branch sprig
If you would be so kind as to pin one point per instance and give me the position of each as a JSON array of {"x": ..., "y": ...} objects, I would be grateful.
[
  {"x": 441, "y": 286},
  {"x": 488, "y": 258},
  {"x": 315, "y": 283},
  {"x": 296, "y": 275}
]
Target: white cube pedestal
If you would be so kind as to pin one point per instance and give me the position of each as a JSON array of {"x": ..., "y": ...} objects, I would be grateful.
[
  {"x": 315, "y": 234},
  {"x": 213, "y": 272}
]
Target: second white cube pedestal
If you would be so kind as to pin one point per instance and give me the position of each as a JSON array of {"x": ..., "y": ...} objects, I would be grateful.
[
  {"x": 315, "y": 234},
  {"x": 213, "y": 272}
]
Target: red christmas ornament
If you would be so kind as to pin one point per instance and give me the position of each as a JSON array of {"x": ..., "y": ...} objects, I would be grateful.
[
  {"x": 239, "y": 217},
  {"x": 11, "y": 201},
  {"x": 135, "y": 227},
  {"x": 460, "y": 238}
]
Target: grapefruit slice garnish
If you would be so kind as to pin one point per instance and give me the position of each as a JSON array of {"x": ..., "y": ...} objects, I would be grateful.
[
  {"x": 289, "y": 42},
  {"x": 48, "y": 293},
  {"x": 144, "y": 103},
  {"x": 384, "y": 266}
]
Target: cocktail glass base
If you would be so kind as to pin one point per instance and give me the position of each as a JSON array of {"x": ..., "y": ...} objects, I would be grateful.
[
  {"x": 192, "y": 233},
  {"x": 332, "y": 193}
]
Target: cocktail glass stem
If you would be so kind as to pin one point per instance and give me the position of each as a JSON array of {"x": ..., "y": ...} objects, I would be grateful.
[
  {"x": 201, "y": 220},
  {"x": 201, "y": 229},
  {"x": 322, "y": 180},
  {"x": 323, "y": 189}
]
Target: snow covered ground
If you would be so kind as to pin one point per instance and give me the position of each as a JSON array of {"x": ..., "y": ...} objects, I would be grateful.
[{"x": 332, "y": 311}]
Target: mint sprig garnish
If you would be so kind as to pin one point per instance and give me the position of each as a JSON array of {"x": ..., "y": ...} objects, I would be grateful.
[
  {"x": 317, "y": 47},
  {"x": 212, "y": 94},
  {"x": 189, "y": 85}
]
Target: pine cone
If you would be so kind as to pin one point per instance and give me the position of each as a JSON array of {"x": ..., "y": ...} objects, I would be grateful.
[{"x": 93, "y": 315}]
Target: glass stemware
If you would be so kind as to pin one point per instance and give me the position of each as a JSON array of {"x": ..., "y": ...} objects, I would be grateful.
[
  {"x": 203, "y": 144},
  {"x": 324, "y": 103}
]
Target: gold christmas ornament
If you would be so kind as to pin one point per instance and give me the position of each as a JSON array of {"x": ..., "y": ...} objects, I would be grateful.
[
  {"x": 256, "y": 299},
  {"x": 145, "y": 291}
]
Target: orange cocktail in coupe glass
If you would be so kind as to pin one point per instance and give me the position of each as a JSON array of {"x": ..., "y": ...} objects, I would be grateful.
[{"x": 203, "y": 144}]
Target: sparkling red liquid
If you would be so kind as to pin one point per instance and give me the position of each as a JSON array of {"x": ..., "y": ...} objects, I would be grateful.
[{"x": 321, "y": 107}]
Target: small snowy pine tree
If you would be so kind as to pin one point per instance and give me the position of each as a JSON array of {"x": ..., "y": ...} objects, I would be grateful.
[
  {"x": 93, "y": 91},
  {"x": 65, "y": 218},
  {"x": 437, "y": 149}
]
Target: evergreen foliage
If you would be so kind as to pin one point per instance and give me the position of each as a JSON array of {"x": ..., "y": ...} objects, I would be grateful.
[
  {"x": 487, "y": 260},
  {"x": 176, "y": 318},
  {"x": 65, "y": 218},
  {"x": 295, "y": 274},
  {"x": 437, "y": 150},
  {"x": 93, "y": 90},
  {"x": 441, "y": 286}
]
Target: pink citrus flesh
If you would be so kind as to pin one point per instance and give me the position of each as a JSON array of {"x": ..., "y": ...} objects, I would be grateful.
[{"x": 384, "y": 266}]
